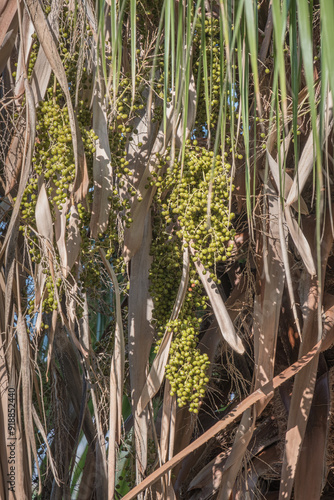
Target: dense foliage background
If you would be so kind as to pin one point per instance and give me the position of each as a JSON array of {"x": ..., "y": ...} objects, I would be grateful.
[{"x": 166, "y": 249}]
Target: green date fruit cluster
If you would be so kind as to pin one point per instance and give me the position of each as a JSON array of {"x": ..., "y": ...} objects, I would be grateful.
[
  {"x": 182, "y": 220},
  {"x": 53, "y": 156},
  {"x": 207, "y": 232},
  {"x": 187, "y": 367}
]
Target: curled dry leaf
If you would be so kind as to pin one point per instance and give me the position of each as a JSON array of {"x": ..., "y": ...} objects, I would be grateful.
[
  {"x": 51, "y": 338},
  {"x": 41, "y": 73},
  {"x": 44, "y": 225},
  {"x": 281, "y": 236},
  {"x": 68, "y": 236},
  {"x": 102, "y": 171},
  {"x": 29, "y": 146},
  {"x": 312, "y": 458},
  {"x": 15, "y": 155},
  {"x": 38, "y": 324},
  {"x": 26, "y": 42},
  {"x": 40, "y": 427},
  {"x": 300, "y": 241},
  {"x": 43, "y": 215},
  {"x": 165, "y": 421},
  {"x": 286, "y": 183},
  {"x": 235, "y": 458},
  {"x": 267, "y": 303},
  {"x": 219, "y": 309},
  {"x": 73, "y": 238},
  {"x": 7, "y": 42},
  {"x": 208, "y": 479},
  {"x": 116, "y": 382},
  {"x": 24, "y": 346},
  {"x": 39, "y": 282},
  {"x": 305, "y": 164},
  {"x": 8, "y": 10},
  {"x": 60, "y": 233},
  {"x": 140, "y": 338}
]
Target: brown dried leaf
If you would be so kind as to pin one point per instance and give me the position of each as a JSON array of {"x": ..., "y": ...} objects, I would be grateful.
[
  {"x": 43, "y": 215},
  {"x": 304, "y": 383},
  {"x": 50, "y": 338},
  {"x": 29, "y": 141},
  {"x": 140, "y": 339},
  {"x": 25, "y": 46},
  {"x": 235, "y": 458},
  {"x": 60, "y": 233},
  {"x": 300, "y": 241},
  {"x": 8, "y": 9},
  {"x": 41, "y": 73},
  {"x": 69, "y": 325},
  {"x": 73, "y": 238},
  {"x": 208, "y": 480},
  {"x": 328, "y": 327},
  {"x": 8, "y": 42},
  {"x": 23, "y": 341},
  {"x": 219, "y": 309},
  {"x": 262, "y": 392},
  {"x": 40, "y": 427},
  {"x": 119, "y": 349},
  {"x": 116, "y": 382},
  {"x": 68, "y": 361},
  {"x": 286, "y": 182},
  {"x": 310, "y": 473},
  {"x": 68, "y": 236},
  {"x": 305, "y": 164},
  {"x": 267, "y": 304},
  {"x": 165, "y": 421},
  {"x": 39, "y": 81},
  {"x": 259, "y": 466},
  {"x": 133, "y": 236},
  {"x": 15, "y": 155},
  {"x": 102, "y": 171}
]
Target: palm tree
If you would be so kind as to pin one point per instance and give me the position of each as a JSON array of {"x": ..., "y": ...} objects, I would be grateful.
[{"x": 166, "y": 248}]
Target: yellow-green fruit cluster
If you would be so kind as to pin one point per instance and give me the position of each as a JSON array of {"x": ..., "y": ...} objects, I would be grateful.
[
  {"x": 165, "y": 274},
  {"x": 188, "y": 204},
  {"x": 181, "y": 221},
  {"x": 126, "y": 110},
  {"x": 33, "y": 55},
  {"x": 53, "y": 157},
  {"x": 186, "y": 364},
  {"x": 50, "y": 300},
  {"x": 187, "y": 367}
]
